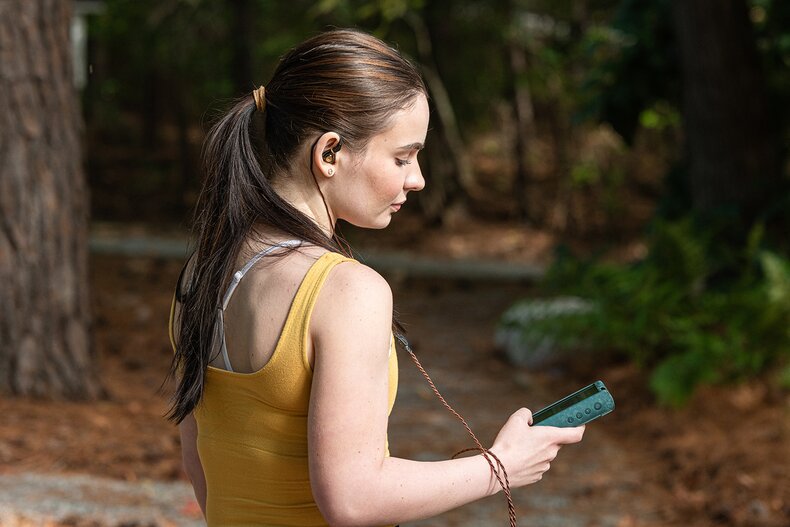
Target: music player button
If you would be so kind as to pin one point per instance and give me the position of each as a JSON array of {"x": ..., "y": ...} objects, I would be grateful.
[{"x": 597, "y": 406}]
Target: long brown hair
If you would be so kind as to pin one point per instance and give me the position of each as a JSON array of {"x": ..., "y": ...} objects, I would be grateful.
[{"x": 344, "y": 81}]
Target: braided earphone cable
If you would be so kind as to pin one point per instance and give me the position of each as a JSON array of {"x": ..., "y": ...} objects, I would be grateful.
[{"x": 487, "y": 454}]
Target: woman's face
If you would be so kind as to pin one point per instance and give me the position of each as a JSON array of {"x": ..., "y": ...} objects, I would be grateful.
[{"x": 370, "y": 188}]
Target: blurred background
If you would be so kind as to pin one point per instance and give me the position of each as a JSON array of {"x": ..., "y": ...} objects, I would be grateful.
[{"x": 607, "y": 197}]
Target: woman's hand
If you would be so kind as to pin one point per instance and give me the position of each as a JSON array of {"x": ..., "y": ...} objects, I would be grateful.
[{"x": 527, "y": 451}]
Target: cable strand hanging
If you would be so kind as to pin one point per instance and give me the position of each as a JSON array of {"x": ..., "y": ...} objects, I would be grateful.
[{"x": 498, "y": 469}]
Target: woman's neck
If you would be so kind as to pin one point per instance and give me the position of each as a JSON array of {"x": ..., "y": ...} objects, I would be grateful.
[{"x": 308, "y": 200}]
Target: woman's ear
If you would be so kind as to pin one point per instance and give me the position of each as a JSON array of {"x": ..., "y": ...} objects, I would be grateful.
[{"x": 326, "y": 153}]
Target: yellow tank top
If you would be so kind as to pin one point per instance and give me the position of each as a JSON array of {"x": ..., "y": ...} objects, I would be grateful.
[{"x": 252, "y": 427}]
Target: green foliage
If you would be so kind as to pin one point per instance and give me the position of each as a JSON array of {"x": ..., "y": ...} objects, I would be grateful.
[
  {"x": 771, "y": 19},
  {"x": 660, "y": 116},
  {"x": 175, "y": 42},
  {"x": 673, "y": 313},
  {"x": 633, "y": 66}
]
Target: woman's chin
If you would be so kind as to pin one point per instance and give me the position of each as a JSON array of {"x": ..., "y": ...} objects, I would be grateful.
[{"x": 379, "y": 223}]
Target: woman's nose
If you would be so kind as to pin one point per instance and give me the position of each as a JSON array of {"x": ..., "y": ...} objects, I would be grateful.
[{"x": 415, "y": 181}]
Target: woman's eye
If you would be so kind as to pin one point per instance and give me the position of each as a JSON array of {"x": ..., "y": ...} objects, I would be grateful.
[{"x": 401, "y": 162}]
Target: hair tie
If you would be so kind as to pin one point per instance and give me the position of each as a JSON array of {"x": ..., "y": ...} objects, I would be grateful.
[{"x": 260, "y": 98}]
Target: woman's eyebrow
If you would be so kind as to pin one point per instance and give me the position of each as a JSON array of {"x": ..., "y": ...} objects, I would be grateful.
[{"x": 412, "y": 146}]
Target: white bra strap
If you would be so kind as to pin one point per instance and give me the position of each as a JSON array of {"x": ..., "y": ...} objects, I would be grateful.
[
  {"x": 237, "y": 276},
  {"x": 223, "y": 347}
]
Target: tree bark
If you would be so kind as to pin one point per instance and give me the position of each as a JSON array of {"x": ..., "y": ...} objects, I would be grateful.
[
  {"x": 732, "y": 153},
  {"x": 525, "y": 124},
  {"x": 444, "y": 107},
  {"x": 45, "y": 347}
]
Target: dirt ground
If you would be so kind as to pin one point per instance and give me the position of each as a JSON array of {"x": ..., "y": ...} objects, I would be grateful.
[{"x": 722, "y": 460}]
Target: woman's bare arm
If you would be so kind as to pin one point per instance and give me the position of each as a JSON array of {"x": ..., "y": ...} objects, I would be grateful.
[
  {"x": 353, "y": 481},
  {"x": 191, "y": 460}
]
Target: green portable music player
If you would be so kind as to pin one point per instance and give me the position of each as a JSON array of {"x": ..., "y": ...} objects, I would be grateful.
[{"x": 578, "y": 408}]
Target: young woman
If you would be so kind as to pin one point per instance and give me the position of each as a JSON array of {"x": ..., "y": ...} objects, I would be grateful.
[{"x": 285, "y": 355}]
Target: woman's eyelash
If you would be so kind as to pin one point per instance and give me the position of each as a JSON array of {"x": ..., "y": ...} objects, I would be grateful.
[{"x": 401, "y": 162}]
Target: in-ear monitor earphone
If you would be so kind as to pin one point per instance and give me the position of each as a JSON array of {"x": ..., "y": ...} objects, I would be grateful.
[{"x": 329, "y": 155}]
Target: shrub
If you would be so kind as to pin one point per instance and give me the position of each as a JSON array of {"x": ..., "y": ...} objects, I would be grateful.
[{"x": 689, "y": 312}]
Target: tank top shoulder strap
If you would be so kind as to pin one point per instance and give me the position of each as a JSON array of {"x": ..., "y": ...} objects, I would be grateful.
[
  {"x": 316, "y": 276},
  {"x": 298, "y": 323},
  {"x": 237, "y": 276}
]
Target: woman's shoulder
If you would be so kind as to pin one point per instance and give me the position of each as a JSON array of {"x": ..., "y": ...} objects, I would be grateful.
[
  {"x": 346, "y": 277},
  {"x": 354, "y": 292},
  {"x": 354, "y": 278}
]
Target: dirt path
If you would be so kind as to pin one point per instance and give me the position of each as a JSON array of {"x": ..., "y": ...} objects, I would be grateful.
[{"x": 84, "y": 500}]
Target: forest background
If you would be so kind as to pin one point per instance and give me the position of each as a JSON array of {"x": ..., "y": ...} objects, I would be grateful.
[
  {"x": 599, "y": 122},
  {"x": 635, "y": 150}
]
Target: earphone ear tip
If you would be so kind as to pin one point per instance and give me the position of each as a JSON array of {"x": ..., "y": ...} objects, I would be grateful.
[{"x": 329, "y": 155}]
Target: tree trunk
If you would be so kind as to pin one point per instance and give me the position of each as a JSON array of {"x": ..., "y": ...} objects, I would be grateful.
[
  {"x": 732, "y": 153},
  {"x": 444, "y": 108},
  {"x": 45, "y": 347},
  {"x": 525, "y": 124}
]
